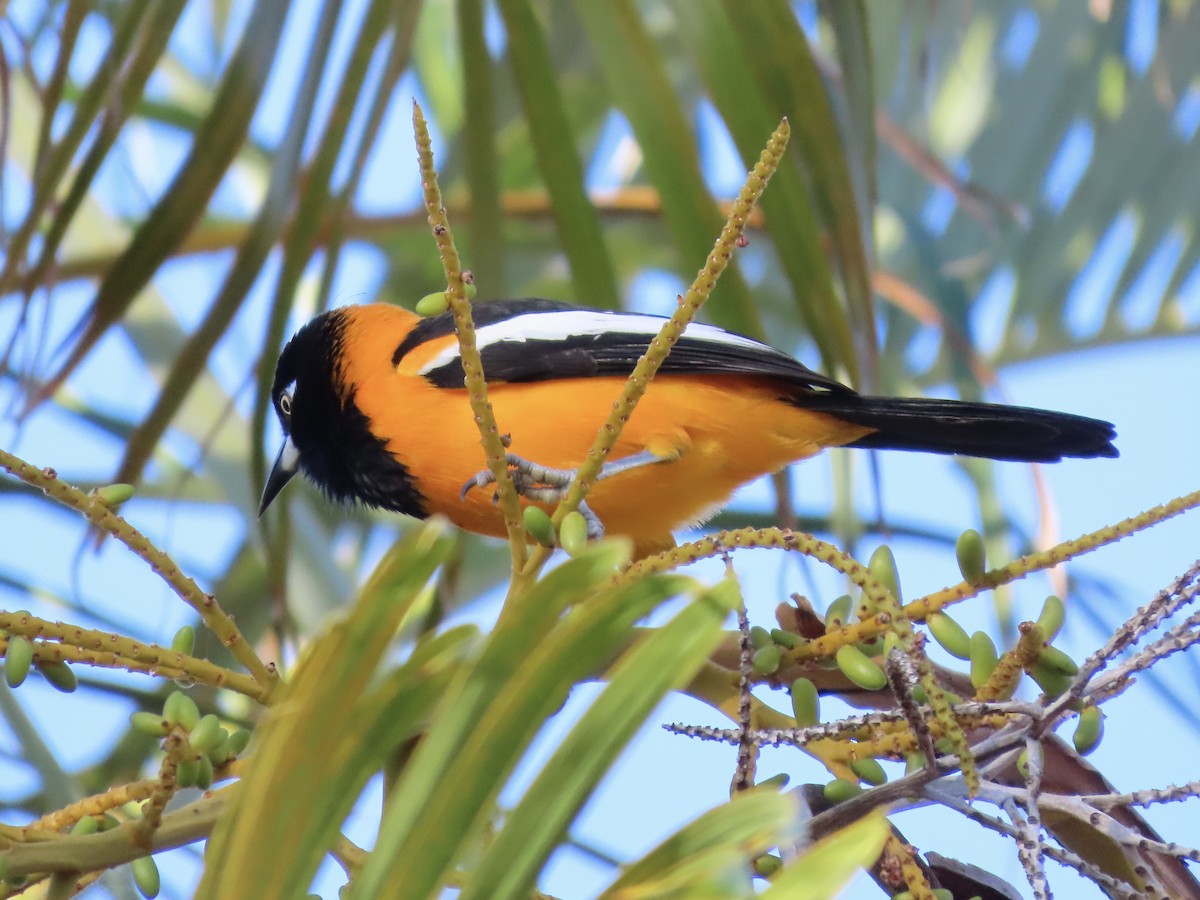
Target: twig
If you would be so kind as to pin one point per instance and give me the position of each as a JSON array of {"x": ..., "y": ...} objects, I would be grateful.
[
  {"x": 689, "y": 304},
  {"x": 919, "y": 609},
  {"x": 102, "y": 516},
  {"x": 71, "y": 643},
  {"x": 97, "y": 804},
  {"x": 1046, "y": 559},
  {"x": 111, "y": 848},
  {"x": 464, "y": 325},
  {"x": 1029, "y": 840},
  {"x": 1112, "y": 885},
  {"x": 901, "y": 678},
  {"x": 743, "y": 776},
  {"x": 1182, "y": 591},
  {"x": 1147, "y": 797}
]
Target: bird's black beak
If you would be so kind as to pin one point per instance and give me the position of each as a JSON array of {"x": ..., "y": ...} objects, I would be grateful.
[{"x": 286, "y": 464}]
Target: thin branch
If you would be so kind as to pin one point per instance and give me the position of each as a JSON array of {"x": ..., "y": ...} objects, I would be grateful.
[
  {"x": 1147, "y": 797},
  {"x": 1028, "y": 825},
  {"x": 1065, "y": 857},
  {"x": 63, "y": 642},
  {"x": 747, "y": 755},
  {"x": 464, "y": 326},
  {"x": 102, "y": 516},
  {"x": 660, "y": 346}
]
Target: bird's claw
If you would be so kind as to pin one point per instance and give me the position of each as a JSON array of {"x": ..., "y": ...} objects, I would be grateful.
[
  {"x": 541, "y": 484},
  {"x": 531, "y": 480},
  {"x": 478, "y": 480}
]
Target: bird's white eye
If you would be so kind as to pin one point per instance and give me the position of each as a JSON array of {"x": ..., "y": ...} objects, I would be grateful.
[{"x": 285, "y": 403}]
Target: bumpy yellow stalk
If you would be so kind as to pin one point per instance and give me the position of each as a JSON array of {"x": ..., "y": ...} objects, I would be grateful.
[
  {"x": 689, "y": 304},
  {"x": 103, "y": 517},
  {"x": 464, "y": 325}
]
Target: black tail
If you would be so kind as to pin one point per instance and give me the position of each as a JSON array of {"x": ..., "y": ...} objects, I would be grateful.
[{"x": 989, "y": 430}]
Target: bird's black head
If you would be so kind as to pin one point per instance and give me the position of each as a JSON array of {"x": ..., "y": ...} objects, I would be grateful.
[{"x": 325, "y": 434}]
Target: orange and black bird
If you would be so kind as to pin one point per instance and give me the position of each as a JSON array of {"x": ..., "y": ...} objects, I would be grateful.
[{"x": 373, "y": 409}]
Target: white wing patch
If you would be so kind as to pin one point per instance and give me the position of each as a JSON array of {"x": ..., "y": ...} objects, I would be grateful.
[{"x": 559, "y": 326}]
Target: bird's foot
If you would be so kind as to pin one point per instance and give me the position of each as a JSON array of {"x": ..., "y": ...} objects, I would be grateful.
[
  {"x": 541, "y": 484},
  {"x": 537, "y": 482}
]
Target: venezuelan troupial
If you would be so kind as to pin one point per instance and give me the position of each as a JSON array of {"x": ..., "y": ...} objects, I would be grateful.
[{"x": 373, "y": 409}]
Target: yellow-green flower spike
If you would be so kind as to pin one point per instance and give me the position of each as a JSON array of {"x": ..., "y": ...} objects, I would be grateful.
[
  {"x": 1013, "y": 664},
  {"x": 17, "y": 660},
  {"x": 983, "y": 658},
  {"x": 1053, "y": 614},
  {"x": 538, "y": 525},
  {"x": 883, "y": 567},
  {"x": 949, "y": 634},
  {"x": 860, "y": 668},
  {"x": 59, "y": 675},
  {"x": 1088, "y": 730},
  {"x": 869, "y": 770},
  {"x": 572, "y": 533},
  {"x": 145, "y": 876},
  {"x": 806, "y": 703},
  {"x": 972, "y": 556},
  {"x": 184, "y": 640}
]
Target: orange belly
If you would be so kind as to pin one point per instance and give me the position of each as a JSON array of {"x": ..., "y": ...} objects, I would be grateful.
[{"x": 718, "y": 432}]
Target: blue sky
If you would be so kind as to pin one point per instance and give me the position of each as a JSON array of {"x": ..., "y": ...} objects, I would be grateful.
[{"x": 663, "y": 780}]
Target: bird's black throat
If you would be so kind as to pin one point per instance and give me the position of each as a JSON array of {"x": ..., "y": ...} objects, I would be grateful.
[{"x": 338, "y": 451}]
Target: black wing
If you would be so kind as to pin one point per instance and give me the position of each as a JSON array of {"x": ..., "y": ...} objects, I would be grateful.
[{"x": 540, "y": 340}]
